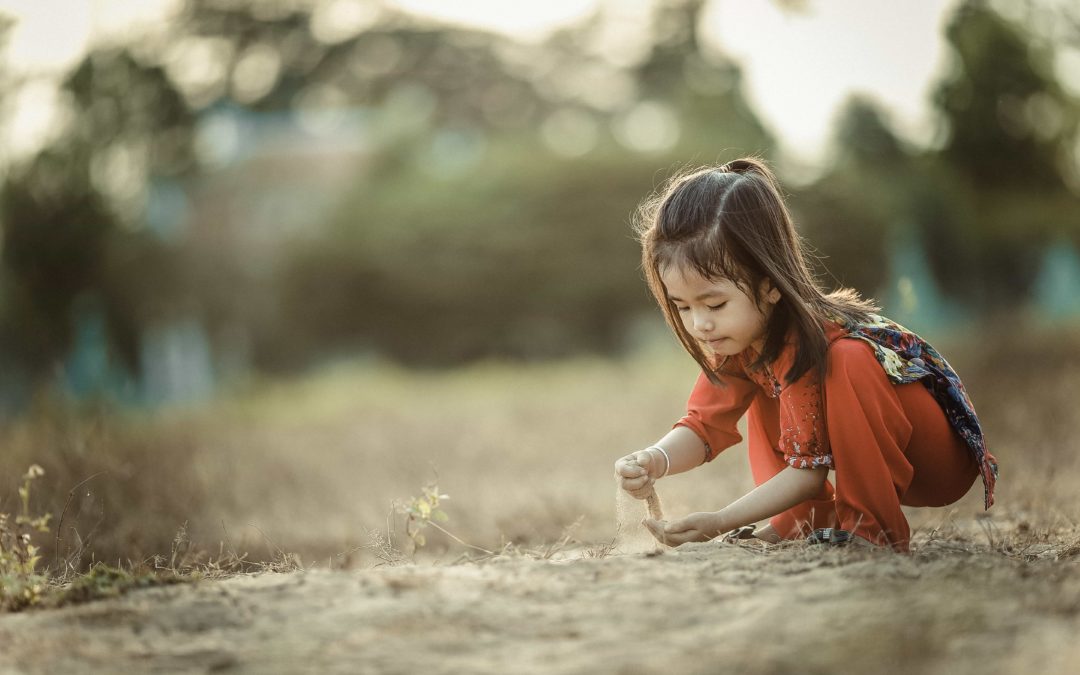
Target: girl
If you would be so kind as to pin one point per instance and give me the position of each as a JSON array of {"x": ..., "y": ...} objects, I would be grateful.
[{"x": 827, "y": 383}]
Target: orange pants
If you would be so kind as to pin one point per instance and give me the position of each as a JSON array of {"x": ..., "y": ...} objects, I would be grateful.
[{"x": 891, "y": 445}]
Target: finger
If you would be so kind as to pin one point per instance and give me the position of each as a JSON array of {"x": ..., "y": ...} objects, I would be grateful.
[
  {"x": 642, "y": 493},
  {"x": 641, "y": 457},
  {"x": 638, "y": 483},
  {"x": 677, "y": 526},
  {"x": 656, "y": 527},
  {"x": 631, "y": 471},
  {"x": 684, "y": 537}
]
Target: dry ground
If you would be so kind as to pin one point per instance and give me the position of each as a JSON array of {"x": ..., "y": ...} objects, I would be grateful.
[
  {"x": 526, "y": 455},
  {"x": 704, "y": 608}
]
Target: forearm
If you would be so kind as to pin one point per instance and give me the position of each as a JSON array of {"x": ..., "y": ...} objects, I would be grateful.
[
  {"x": 781, "y": 492},
  {"x": 684, "y": 447}
]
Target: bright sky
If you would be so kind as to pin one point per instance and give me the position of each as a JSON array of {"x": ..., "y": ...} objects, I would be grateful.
[{"x": 799, "y": 66}]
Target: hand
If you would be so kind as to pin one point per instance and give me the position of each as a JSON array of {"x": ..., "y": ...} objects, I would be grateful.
[
  {"x": 694, "y": 527},
  {"x": 636, "y": 472}
]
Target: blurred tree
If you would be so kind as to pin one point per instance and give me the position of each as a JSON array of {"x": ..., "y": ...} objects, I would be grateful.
[
  {"x": 1009, "y": 145},
  {"x": 282, "y": 59},
  {"x": 479, "y": 265},
  {"x": 526, "y": 252},
  {"x": 703, "y": 86},
  {"x": 69, "y": 215},
  {"x": 864, "y": 139},
  {"x": 1006, "y": 116},
  {"x": 490, "y": 183},
  {"x": 851, "y": 212},
  {"x": 53, "y": 247}
]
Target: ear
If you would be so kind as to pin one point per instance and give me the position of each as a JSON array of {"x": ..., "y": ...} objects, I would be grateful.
[{"x": 768, "y": 292}]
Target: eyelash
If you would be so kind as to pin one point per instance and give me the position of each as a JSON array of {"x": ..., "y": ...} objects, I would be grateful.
[{"x": 712, "y": 307}]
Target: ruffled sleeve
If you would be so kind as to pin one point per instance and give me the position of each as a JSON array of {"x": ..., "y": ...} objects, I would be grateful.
[{"x": 713, "y": 411}]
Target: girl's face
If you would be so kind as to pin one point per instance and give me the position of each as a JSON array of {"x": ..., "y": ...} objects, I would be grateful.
[{"x": 717, "y": 312}]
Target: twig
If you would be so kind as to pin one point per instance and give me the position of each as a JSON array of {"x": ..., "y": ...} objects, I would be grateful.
[
  {"x": 457, "y": 539},
  {"x": 60, "y": 524},
  {"x": 232, "y": 549},
  {"x": 284, "y": 557}
]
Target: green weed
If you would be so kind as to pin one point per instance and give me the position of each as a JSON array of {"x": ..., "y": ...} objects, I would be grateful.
[
  {"x": 422, "y": 511},
  {"x": 21, "y": 585},
  {"x": 426, "y": 511}
]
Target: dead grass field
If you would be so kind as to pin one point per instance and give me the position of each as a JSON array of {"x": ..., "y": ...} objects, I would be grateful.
[{"x": 525, "y": 453}]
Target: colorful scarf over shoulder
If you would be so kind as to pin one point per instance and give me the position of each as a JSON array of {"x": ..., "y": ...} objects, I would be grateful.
[{"x": 906, "y": 357}]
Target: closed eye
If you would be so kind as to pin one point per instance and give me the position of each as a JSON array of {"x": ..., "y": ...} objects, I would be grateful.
[{"x": 716, "y": 307}]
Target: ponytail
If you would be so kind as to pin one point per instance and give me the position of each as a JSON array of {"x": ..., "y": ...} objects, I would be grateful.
[{"x": 747, "y": 165}]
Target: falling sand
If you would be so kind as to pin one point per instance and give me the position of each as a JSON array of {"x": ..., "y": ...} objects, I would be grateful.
[{"x": 630, "y": 534}]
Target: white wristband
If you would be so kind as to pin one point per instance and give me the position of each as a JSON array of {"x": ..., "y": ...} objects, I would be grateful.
[{"x": 667, "y": 459}]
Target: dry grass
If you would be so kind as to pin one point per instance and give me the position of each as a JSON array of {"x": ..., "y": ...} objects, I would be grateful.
[{"x": 525, "y": 452}]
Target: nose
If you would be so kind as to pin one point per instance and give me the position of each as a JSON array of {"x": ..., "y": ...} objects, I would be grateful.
[{"x": 702, "y": 323}]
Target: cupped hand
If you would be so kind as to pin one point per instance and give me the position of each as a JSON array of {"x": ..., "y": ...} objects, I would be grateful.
[
  {"x": 635, "y": 473},
  {"x": 694, "y": 527}
]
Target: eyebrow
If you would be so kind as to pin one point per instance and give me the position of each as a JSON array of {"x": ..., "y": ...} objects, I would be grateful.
[{"x": 710, "y": 294}]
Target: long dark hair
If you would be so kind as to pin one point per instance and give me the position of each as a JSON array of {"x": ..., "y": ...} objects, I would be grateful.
[{"x": 730, "y": 222}]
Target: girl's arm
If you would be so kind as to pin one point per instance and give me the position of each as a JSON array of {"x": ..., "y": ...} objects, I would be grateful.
[
  {"x": 781, "y": 492},
  {"x": 639, "y": 470}
]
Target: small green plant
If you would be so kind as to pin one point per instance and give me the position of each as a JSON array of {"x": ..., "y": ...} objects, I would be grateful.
[
  {"x": 426, "y": 511},
  {"x": 20, "y": 583},
  {"x": 422, "y": 511}
]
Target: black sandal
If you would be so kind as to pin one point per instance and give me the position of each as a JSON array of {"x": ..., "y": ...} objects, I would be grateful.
[
  {"x": 830, "y": 535},
  {"x": 744, "y": 532}
]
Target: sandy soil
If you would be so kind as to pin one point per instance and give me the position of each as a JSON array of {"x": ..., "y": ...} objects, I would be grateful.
[{"x": 702, "y": 608}]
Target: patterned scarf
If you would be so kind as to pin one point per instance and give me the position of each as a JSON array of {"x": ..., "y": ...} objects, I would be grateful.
[{"x": 906, "y": 357}]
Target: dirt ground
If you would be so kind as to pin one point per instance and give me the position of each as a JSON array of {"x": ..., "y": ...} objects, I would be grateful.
[
  {"x": 526, "y": 455},
  {"x": 702, "y": 608}
]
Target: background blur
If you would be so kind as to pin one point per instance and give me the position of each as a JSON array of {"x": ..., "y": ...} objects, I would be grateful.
[{"x": 275, "y": 263}]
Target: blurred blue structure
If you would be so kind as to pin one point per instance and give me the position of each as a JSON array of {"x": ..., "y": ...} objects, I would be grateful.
[
  {"x": 270, "y": 177},
  {"x": 1057, "y": 288},
  {"x": 167, "y": 208},
  {"x": 89, "y": 370},
  {"x": 176, "y": 363},
  {"x": 912, "y": 297}
]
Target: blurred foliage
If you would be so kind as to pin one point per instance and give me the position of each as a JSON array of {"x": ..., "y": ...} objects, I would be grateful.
[
  {"x": 1008, "y": 163},
  {"x": 485, "y": 264},
  {"x": 489, "y": 215},
  {"x": 449, "y": 194},
  {"x": 69, "y": 215},
  {"x": 987, "y": 201},
  {"x": 852, "y": 234}
]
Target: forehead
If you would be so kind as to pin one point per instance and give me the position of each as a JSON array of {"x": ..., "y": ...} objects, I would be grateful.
[{"x": 681, "y": 280}]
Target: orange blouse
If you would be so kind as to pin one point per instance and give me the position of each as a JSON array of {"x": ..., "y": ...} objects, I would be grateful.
[{"x": 713, "y": 411}]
